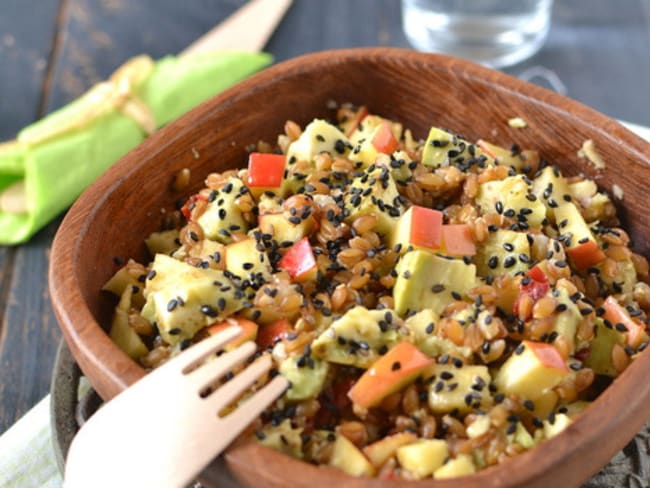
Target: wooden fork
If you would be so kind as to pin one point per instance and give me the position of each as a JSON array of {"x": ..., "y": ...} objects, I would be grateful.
[{"x": 165, "y": 429}]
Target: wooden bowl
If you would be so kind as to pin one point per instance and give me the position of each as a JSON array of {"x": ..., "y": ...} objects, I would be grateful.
[{"x": 114, "y": 215}]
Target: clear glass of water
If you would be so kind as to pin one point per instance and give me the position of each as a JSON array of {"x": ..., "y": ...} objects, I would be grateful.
[{"x": 495, "y": 33}]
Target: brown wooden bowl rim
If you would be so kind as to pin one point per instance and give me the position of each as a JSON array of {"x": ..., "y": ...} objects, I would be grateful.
[{"x": 93, "y": 346}]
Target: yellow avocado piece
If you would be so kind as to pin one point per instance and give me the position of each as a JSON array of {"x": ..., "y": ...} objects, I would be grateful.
[
  {"x": 349, "y": 459},
  {"x": 423, "y": 457},
  {"x": 427, "y": 280}
]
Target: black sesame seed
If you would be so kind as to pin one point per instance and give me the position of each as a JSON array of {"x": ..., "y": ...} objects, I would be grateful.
[
  {"x": 438, "y": 288},
  {"x": 621, "y": 327},
  {"x": 208, "y": 310}
]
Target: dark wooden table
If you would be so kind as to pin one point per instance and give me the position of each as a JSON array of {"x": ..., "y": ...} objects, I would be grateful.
[{"x": 52, "y": 50}]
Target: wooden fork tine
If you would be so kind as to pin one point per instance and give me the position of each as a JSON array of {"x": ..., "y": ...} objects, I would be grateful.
[
  {"x": 207, "y": 373},
  {"x": 198, "y": 352},
  {"x": 228, "y": 392},
  {"x": 255, "y": 405}
]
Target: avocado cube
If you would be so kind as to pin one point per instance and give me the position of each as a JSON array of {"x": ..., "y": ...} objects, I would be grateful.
[
  {"x": 533, "y": 368},
  {"x": 222, "y": 216},
  {"x": 511, "y": 196},
  {"x": 463, "y": 389},
  {"x": 359, "y": 337},
  {"x": 374, "y": 192},
  {"x": 283, "y": 438},
  {"x": 282, "y": 229},
  {"x": 570, "y": 222},
  {"x": 349, "y": 459},
  {"x": 306, "y": 375},
  {"x": 121, "y": 332},
  {"x": 560, "y": 422},
  {"x": 600, "y": 354},
  {"x": 363, "y": 151},
  {"x": 128, "y": 276},
  {"x": 504, "y": 251},
  {"x": 165, "y": 242},
  {"x": 461, "y": 465},
  {"x": 245, "y": 260},
  {"x": 443, "y": 148},
  {"x": 423, "y": 457},
  {"x": 566, "y": 322},
  {"x": 182, "y": 299},
  {"x": 551, "y": 188},
  {"x": 318, "y": 137},
  {"x": 427, "y": 280},
  {"x": 423, "y": 326}
]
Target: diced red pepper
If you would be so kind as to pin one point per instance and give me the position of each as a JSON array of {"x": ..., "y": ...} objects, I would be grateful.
[
  {"x": 586, "y": 254},
  {"x": 536, "y": 288},
  {"x": 384, "y": 140},
  {"x": 299, "y": 261},
  {"x": 457, "y": 240},
  {"x": 269, "y": 334},
  {"x": 265, "y": 170}
]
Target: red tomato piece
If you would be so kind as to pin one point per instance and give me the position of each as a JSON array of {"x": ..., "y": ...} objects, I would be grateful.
[
  {"x": 265, "y": 170},
  {"x": 426, "y": 227},
  {"x": 384, "y": 140},
  {"x": 299, "y": 261}
]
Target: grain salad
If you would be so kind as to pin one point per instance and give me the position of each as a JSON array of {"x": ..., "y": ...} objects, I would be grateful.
[{"x": 438, "y": 305}]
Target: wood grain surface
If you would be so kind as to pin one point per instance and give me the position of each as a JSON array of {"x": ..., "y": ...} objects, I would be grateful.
[{"x": 52, "y": 50}]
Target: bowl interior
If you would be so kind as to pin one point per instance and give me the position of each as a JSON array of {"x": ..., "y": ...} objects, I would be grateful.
[{"x": 111, "y": 219}]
